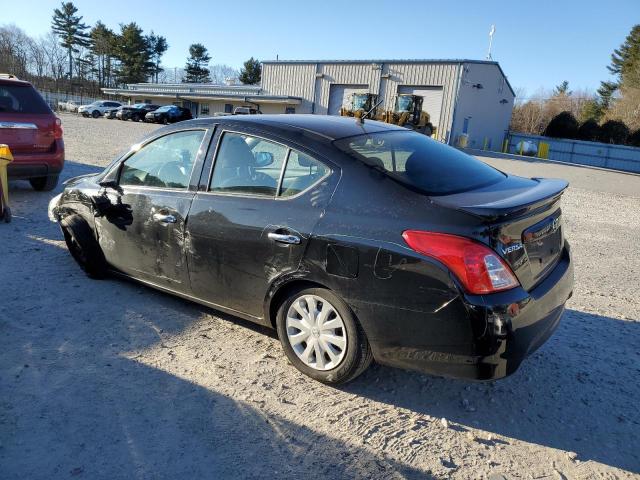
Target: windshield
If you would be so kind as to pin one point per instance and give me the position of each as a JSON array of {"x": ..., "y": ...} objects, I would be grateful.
[
  {"x": 360, "y": 102},
  {"x": 404, "y": 104},
  {"x": 164, "y": 109},
  {"x": 420, "y": 162},
  {"x": 139, "y": 105}
]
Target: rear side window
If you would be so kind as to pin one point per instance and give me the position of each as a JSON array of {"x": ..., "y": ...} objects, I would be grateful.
[
  {"x": 302, "y": 172},
  {"x": 420, "y": 162},
  {"x": 21, "y": 99}
]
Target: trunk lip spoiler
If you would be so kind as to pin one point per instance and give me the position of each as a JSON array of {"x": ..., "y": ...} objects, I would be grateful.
[{"x": 546, "y": 190}]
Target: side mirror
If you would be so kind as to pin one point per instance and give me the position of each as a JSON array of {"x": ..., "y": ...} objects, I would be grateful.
[
  {"x": 106, "y": 183},
  {"x": 263, "y": 159}
]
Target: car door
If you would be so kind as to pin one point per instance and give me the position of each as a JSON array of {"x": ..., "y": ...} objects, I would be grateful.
[
  {"x": 251, "y": 222},
  {"x": 143, "y": 228}
]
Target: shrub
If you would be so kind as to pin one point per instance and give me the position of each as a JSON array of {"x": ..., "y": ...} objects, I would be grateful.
[
  {"x": 614, "y": 131},
  {"x": 589, "y": 130},
  {"x": 634, "y": 139},
  {"x": 563, "y": 125}
]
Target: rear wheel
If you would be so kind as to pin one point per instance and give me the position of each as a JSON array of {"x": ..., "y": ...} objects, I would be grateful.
[
  {"x": 321, "y": 336},
  {"x": 44, "y": 184},
  {"x": 95, "y": 114}
]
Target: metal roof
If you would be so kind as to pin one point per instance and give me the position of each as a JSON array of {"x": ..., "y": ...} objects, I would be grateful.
[{"x": 196, "y": 92}]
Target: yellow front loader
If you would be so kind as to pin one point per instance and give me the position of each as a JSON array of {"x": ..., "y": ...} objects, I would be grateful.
[{"x": 5, "y": 159}]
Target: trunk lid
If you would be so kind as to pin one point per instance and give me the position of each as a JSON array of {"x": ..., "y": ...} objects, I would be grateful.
[{"x": 524, "y": 221}]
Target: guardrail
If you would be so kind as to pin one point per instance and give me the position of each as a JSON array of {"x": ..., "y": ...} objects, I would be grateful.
[{"x": 594, "y": 154}]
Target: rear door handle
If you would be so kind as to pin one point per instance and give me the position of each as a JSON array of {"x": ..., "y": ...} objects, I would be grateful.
[
  {"x": 164, "y": 218},
  {"x": 284, "y": 238}
]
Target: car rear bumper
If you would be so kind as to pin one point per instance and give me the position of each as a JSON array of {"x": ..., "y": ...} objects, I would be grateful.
[
  {"x": 31, "y": 165},
  {"x": 503, "y": 329}
]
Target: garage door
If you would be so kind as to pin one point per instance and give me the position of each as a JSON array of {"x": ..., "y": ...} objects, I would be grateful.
[
  {"x": 432, "y": 103},
  {"x": 338, "y": 94}
]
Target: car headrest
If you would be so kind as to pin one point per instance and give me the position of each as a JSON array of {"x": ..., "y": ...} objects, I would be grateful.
[
  {"x": 236, "y": 153},
  {"x": 415, "y": 167},
  {"x": 375, "y": 161},
  {"x": 6, "y": 103},
  {"x": 304, "y": 161}
]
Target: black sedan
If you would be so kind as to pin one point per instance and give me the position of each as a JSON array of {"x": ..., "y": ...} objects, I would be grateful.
[
  {"x": 168, "y": 114},
  {"x": 135, "y": 112},
  {"x": 355, "y": 241}
]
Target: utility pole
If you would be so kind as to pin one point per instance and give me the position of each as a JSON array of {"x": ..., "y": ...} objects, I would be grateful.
[{"x": 491, "y": 32}]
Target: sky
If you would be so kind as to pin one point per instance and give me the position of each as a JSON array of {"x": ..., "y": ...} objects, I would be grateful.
[{"x": 538, "y": 44}]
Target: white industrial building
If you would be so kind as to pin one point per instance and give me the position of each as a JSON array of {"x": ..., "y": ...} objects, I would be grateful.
[{"x": 470, "y": 97}]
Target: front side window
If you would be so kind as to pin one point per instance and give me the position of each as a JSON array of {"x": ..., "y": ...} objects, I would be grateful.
[
  {"x": 420, "y": 162},
  {"x": 301, "y": 172},
  {"x": 247, "y": 165},
  {"x": 165, "y": 162}
]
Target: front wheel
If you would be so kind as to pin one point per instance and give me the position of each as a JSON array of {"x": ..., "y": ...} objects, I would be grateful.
[
  {"x": 95, "y": 114},
  {"x": 321, "y": 336}
]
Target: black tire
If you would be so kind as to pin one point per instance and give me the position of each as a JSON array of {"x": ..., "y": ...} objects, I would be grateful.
[
  {"x": 83, "y": 246},
  {"x": 95, "y": 114},
  {"x": 44, "y": 184},
  {"x": 358, "y": 354},
  {"x": 136, "y": 118},
  {"x": 165, "y": 120}
]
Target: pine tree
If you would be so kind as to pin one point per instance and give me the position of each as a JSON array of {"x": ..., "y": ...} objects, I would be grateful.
[
  {"x": 562, "y": 89},
  {"x": 133, "y": 54},
  {"x": 196, "y": 70},
  {"x": 157, "y": 47},
  {"x": 72, "y": 32},
  {"x": 251, "y": 72},
  {"x": 625, "y": 61},
  {"x": 102, "y": 46}
]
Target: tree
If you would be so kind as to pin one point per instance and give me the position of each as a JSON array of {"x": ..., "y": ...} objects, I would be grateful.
[
  {"x": 634, "y": 139},
  {"x": 562, "y": 89},
  {"x": 614, "y": 131},
  {"x": 103, "y": 46},
  {"x": 589, "y": 131},
  {"x": 157, "y": 47},
  {"x": 563, "y": 125},
  {"x": 196, "y": 70},
  {"x": 72, "y": 32},
  {"x": 625, "y": 61},
  {"x": 132, "y": 51},
  {"x": 251, "y": 72}
]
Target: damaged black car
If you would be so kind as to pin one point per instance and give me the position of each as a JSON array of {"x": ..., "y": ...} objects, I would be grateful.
[{"x": 356, "y": 240}]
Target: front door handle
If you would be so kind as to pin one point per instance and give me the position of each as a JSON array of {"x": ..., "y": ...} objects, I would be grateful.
[
  {"x": 164, "y": 218},
  {"x": 284, "y": 238}
]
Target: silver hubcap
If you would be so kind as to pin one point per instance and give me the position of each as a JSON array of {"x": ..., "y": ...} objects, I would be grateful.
[{"x": 316, "y": 332}]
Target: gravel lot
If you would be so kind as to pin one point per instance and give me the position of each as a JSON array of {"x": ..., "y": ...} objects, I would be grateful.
[{"x": 109, "y": 379}]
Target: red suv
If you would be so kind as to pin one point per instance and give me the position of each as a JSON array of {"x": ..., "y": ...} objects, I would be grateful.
[{"x": 33, "y": 133}]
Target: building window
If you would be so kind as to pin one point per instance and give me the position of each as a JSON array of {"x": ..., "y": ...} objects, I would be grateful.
[
  {"x": 147, "y": 100},
  {"x": 228, "y": 108},
  {"x": 290, "y": 110},
  {"x": 204, "y": 109}
]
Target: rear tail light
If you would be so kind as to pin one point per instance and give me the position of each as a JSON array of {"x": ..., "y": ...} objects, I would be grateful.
[
  {"x": 479, "y": 269},
  {"x": 57, "y": 129}
]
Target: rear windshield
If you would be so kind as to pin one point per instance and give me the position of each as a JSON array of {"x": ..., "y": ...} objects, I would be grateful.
[
  {"x": 21, "y": 99},
  {"x": 420, "y": 162}
]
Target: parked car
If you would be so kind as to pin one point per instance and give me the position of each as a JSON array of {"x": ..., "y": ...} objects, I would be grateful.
[
  {"x": 246, "y": 111},
  {"x": 68, "y": 106},
  {"x": 33, "y": 133},
  {"x": 168, "y": 114},
  {"x": 354, "y": 241},
  {"x": 111, "y": 113},
  {"x": 97, "y": 109},
  {"x": 135, "y": 112}
]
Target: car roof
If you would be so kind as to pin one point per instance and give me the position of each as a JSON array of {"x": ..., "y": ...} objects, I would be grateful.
[
  {"x": 328, "y": 126},
  {"x": 14, "y": 81}
]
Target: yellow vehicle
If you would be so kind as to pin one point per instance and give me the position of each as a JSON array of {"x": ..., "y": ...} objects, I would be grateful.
[
  {"x": 407, "y": 112},
  {"x": 5, "y": 159},
  {"x": 359, "y": 104}
]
